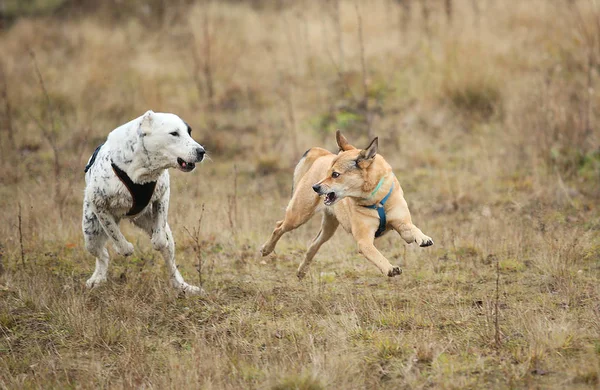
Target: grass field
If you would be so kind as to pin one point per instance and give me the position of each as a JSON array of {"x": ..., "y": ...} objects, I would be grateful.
[{"x": 488, "y": 112}]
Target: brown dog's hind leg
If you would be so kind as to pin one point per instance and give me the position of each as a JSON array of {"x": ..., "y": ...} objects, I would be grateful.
[
  {"x": 329, "y": 225},
  {"x": 300, "y": 209}
]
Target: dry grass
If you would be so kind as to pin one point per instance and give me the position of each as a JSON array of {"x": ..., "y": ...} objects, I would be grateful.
[{"x": 489, "y": 121}]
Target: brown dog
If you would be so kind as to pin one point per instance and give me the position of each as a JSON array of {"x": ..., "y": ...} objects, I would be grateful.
[{"x": 361, "y": 193}]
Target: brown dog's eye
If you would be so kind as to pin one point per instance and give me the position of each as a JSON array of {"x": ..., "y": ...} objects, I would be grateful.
[{"x": 335, "y": 175}]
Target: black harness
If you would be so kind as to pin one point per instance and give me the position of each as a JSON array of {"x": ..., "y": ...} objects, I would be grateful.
[
  {"x": 140, "y": 193},
  {"x": 92, "y": 159}
]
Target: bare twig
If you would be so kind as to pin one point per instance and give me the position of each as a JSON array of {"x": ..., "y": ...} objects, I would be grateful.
[
  {"x": 1, "y": 259},
  {"x": 476, "y": 11},
  {"x": 564, "y": 188},
  {"x": 588, "y": 96},
  {"x": 21, "y": 237},
  {"x": 405, "y": 14},
  {"x": 207, "y": 69},
  {"x": 292, "y": 46},
  {"x": 197, "y": 65},
  {"x": 44, "y": 90},
  {"x": 426, "y": 12},
  {"x": 232, "y": 211},
  {"x": 289, "y": 103},
  {"x": 496, "y": 306},
  {"x": 7, "y": 107},
  {"x": 363, "y": 64},
  {"x": 203, "y": 70},
  {"x": 195, "y": 236},
  {"x": 62, "y": 183},
  {"x": 365, "y": 100},
  {"x": 340, "y": 75},
  {"x": 287, "y": 86},
  {"x": 336, "y": 16},
  {"x": 49, "y": 133},
  {"x": 449, "y": 9}
]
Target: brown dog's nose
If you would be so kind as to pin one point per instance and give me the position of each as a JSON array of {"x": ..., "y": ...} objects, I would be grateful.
[{"x": 316, "y": 188}]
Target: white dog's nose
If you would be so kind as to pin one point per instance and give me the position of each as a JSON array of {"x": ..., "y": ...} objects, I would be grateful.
[{"x": 199, "y": 154}]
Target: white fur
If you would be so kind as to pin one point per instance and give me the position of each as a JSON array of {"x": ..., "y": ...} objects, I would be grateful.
[{"x": 144, "y": 149}]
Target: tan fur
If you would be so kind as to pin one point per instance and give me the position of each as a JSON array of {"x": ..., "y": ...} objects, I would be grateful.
[
  {"x": 359, "y": 173},
  {"x": 306, "y": 162}
]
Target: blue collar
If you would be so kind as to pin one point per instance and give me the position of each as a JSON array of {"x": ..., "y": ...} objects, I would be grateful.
[{"x": 381, "y": 211}]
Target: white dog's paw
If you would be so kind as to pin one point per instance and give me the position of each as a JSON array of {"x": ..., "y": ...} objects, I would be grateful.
[
  {"x": 159, "y": 240},
  {"x": 187, "y": 289},
  {"x": 394, "y": 271},
  {"x": 125, "y": 250},
  {"x": 95, "y": 282},
  {"x": 424, "y": 241}
]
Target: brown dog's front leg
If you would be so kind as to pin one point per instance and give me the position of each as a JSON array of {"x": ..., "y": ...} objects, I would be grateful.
[
  {"x": 368, "y": 250},
  {"x": 410, "y": 233}
]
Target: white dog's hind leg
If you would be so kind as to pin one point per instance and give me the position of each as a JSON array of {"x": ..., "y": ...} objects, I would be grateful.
[
  {"x": 95, "y": 243},
  {"x": 99, "y": 275}
]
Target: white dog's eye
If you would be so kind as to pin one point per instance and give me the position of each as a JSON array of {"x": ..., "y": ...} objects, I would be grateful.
[
  {"x": 335, "y": 175},
  {"x": 174, "y": 134}
]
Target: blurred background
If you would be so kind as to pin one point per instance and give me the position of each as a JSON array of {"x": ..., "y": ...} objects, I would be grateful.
[
  {"x": 501, "y": 90},
  {"x": 486, "y": 109}
]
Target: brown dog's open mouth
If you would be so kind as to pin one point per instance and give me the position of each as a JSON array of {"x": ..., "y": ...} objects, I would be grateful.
[
  {"x": 184, "y": 165},
  {"x": 330, "y": 198}
]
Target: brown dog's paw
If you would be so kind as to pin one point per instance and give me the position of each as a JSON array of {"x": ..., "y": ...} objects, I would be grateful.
[
  {"x": 427, "y": 242},
  {"x": 264, "y": 250},
  {"x": 395, "y": 271}
]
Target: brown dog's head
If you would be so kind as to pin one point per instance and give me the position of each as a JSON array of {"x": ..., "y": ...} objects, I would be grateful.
[{"x": 347, "y": 175}]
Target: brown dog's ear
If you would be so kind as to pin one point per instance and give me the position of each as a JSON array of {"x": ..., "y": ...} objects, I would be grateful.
[
  {"x": 342, "y": 141},
  {"x": 366, "y": 156}
]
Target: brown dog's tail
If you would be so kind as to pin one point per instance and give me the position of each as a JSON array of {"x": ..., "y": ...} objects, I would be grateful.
[{"x": 307, "y": 160}]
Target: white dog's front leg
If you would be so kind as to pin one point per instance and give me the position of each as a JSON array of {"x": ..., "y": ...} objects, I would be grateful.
[
  {"x": 168, "y": 253},
  {"x": 159, "y": 234},
  {"x": 111, "y": 227}
]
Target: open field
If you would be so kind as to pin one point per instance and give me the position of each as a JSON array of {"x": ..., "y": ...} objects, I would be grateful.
[{"x": 487, "y": 111}]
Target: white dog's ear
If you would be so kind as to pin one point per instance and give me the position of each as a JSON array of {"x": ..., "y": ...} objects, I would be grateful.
[
  {"x": 366, "y": 156},
  {"x": 146, "y": 123},
  {"x": 342, "y": 142}
]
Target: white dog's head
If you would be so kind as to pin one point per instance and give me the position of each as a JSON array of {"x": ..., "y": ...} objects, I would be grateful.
[{"x": 167, "y": 141}]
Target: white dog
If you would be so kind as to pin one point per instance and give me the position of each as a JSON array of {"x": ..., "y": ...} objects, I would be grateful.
[{"x": 127, "y": 177}]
